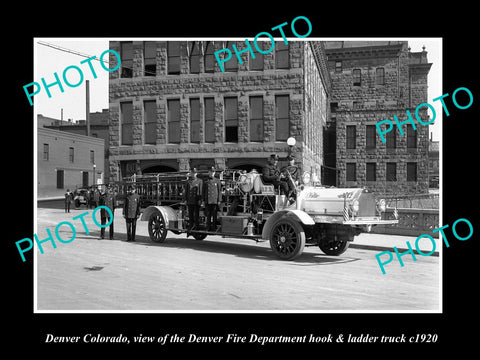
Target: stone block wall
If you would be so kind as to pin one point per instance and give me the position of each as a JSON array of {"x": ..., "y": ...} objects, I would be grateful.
[
  {"x": 404, "y": 87},
  {"x": 217, "y": 85}
]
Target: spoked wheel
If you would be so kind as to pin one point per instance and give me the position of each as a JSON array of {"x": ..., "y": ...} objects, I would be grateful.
[
  {"x": 156, "y": 228},
  {"x": 199, "y": 236},
  {"x": 287, "y": 239},
  {"x": 334, "y": 247}
]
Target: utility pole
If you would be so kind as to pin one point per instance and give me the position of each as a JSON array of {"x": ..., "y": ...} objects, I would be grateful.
[{"x": 87, "y": 115}]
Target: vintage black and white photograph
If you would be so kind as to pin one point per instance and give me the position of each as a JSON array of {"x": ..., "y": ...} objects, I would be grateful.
[{"x": 286, "y": 174}]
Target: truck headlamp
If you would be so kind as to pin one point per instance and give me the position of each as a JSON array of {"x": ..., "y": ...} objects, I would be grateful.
[
  {"x": 381, "y": 205},
  {"x": 306, "y": 177}
]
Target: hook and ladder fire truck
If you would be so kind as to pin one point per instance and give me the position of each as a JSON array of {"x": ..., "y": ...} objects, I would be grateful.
[{"x": 327, "y": 217}]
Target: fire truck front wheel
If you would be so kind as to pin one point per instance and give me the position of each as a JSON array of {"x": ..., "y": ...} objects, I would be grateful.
[
  {"x": 287, "y": 239},
  {"x": 156, "y": 228}
]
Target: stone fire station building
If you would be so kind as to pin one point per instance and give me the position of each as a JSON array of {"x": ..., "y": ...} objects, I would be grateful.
[{"x": 172, "y": 108}]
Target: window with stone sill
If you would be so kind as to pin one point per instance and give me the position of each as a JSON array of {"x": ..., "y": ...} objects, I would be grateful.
[
  {"x": 282, "y": 60},
  {"x": 209, "y": 60},
  {"x": 380, "y": 76},
  {"x": 371, "y": 172},
  {"x": 209, "y": 118},
  {"x": 173, "y": 121},
  {"x": 231, "y": 119},
  {"x": 351, "y": 136},
  {"x": 194, "y": 120},
  {"x": 371, "y": 137},
  {"x": 357, "y": 77},
  {"x": 126, "y": 56},
  {"x": 391, "y": 169},
  {"x": 351, "y": 172},
  {"x": 150, "y": 122},
  {"x": 149, "y": 58},
  {"x": 256, "y": 118},
  {"x": 411, "y": 171},
  {"x": 195, "y": 56},
  {"x": 173, "y": 57}
]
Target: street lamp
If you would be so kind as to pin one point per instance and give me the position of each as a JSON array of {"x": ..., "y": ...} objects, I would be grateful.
[
  {"x": 291, "y": 143},
  {"x": 93, "y": 177}
]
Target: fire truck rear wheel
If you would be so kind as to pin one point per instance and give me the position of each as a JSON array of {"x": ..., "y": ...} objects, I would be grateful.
[
  {"x": 334, "y": 248},
  {"x": 287, "y": 239},
  {"x": 156, "y": 228}
]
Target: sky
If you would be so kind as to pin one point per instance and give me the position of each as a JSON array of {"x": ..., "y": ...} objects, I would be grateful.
[{"x": 49, "y": 60}]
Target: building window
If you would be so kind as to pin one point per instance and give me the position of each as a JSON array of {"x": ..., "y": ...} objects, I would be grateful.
[
  {"x": 209, "y": 58},
  {"x": 391, "y": 171},
  {"x": 371, "y": 172},
  {"x": 195, "y": 58},
  {"x": 351, "y": 172},
  {"x": 371, "y": 135},
  {"x": 357, "y": 77},
  {"x": 380, "y": 76},
  {"x": 411, "y": 137},
  {"x": 232, "y": 64},
  {"x": 209, "y": 120},
  {"x": 71, "y": 154},
  {"x": 149, "y": 58},
  {"x": 333, "y": 107},
  {"x": 150, "y": 122},
  {"x": 282, "y": 117},
  {"x": 126, "y": 56},
  {"x": 60, "y": 179},
  {"x": 194, "y": 120},
  {"x": 256, "y": 118},
  {"x": 411, "y": 171},
  {"x": 173, "y": 55},
  {"x": 46, "y": 152},
  {"x": 173, "y": 121},
  {"x": 338, "y": 66},
  {"x": 351, "y": 136},
  {"x": 85, "y": 178},
  {"x": 231, "y": 119},
  {"x": 126, "y": 120},
  {"x": 281, "y": 55},
  {"x": 92, "y": 157},
  {"x": 391, "y": 139},
  {"x": 257, "y": 63}
]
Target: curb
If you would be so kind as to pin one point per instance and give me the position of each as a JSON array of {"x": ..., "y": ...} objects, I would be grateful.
[{"x": 385, "y": 248}]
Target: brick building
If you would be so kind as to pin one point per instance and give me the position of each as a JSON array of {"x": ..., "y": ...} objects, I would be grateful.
[
  {"x": 171, "y": 107},
  {"x": 372, "y": 81},
  {"x": 67, "y": 161},
  {"x": 98, "y": 129}
]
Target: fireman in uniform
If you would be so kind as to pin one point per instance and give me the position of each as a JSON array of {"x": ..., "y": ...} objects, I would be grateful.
[
  {"x": 212, "y": 195},
  {"x": 68, "y": 199},
  {"x": 107, "y": 199},
  {"x": 131, "y": 212},
  {"x": 193, "y": 197},
  {"x": 272, "y": 175},
  {"x": 292, "y": 179}
]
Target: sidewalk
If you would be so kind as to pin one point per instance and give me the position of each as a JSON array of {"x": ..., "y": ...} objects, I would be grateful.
[{"x": 386, "y": 242}]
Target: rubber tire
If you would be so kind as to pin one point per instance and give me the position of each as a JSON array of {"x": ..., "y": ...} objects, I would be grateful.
[
  {"x": 156, "y": 228},
  {"x": 292, "y": 229},
  {"x": 199, "y": 236},
  {"x": 339, "y": 247}
]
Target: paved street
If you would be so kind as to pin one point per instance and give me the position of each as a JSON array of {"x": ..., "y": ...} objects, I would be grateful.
[{"x": 218, "y": 274}]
